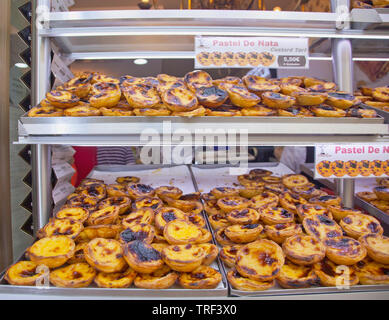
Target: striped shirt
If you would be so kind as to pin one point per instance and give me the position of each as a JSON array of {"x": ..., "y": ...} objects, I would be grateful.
[{"x": 115, "y": 155}]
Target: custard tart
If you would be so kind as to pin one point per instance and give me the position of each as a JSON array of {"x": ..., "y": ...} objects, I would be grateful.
[
  {"x": 289, "y": 201},
  {"x": 127, "y": 179},
  {"x": 181, "y": 232},
  {"x": 49, "y": 111},
  {"x": 245, "y": 216},
  {"x": 123, "y": 203},
  {"x": 295, "y": 111},
  {"x": 77, "y": 275},
  {"x": 241, "y": 58},
  {"x": 259, "y": 85},
  {"x": 141, "y": 96},
  {"x": 116, "y": 279},
  {"x": 357, "y": 225},
  {"x": 281, "y": 231},
  {"x": 372, "y": 272},
  {"x": 206, "y": 236},
  {"x": 78, "y": 253},
  {"x": 339, "y": 212},
  {"x": 332, "y": 275},
  {"x": 168, "y": 191},
  {"x": 260, "y": 260},
  {"x": 138, "y": 190},
  {"x": 62, "y": 99},
  {"x": 241, "y": 97},
  {"x": 307, "y": 98},
  {"x": 338, "y": 168},
  {"x": 167, "y": 214},
  {"x": 105, "y": 94},
  {"x": 196, "y": 79},
  {"x": 116, "y": 112},
  {"x": 52, "y": 251},
  {"x": 275, "y": 215},
  {"x": 78, "y": 201},
  {"x": 108, "y": 231},
  {"x": 76, "y": 214},
  {"x": 271, "y": 180},
  {"x": 211, "y": 97},
  {"x": 377, "y": 247},
  {"x": 142, "y": 257},
  {"x": 117, "y": 190},
  {"x": 143, "y": 215},
  {"x": 221, "y": 192},
  {"x": 198, "y": 112},
  {"x": 249, "y": 192},
  {"x": 341, "y": 100},
  {"x": 309, "y": 210},
  {"x": 143, "y": 232},
  {"x": 222, "y": 238},
  {"x": 96, "y": 191},
  {"x": 328, "y": 111},
  {"x": 258, "y": 111},
  {"x": 23, "y": 273},
  {"x": 381, "y": 93},
  {"x": 239, "y": 282},
  {"x": 162, "y": 278},
  {"x": 228, "y": 254},
  {"x": 382, "y": 193},
  {"x": 107, "y": 215},
  {"x": 294, "y": 276},
  {"x": 264, "y": 200},
  {"x": 249, "y": 180},
  {"x": 147, "y": 202},
  {"x": 294, "y": 180},
  {"x": 345, "y": 250},
  {"x": 65, "y": 227},
  {"x": 231, "y": 203},
  {"x": 203, "y": 277},
  {"x": 184, "y": 257},
  {"x": 105, "y": 255},
  {"x": 277, "y": 100},
  {"x": 243, "y": 233},
  {"x": 197, "y": 219},
  {"x": 308, "y": 192},
  {"x": 211, "y": 252},
  {"x": 361, "y": 111},
  {"x": 326, "y": 201},
  {"x": 322, "y": 228},
  {"x": 218, "y": 221},
  {"x": 303, "y": 249}
]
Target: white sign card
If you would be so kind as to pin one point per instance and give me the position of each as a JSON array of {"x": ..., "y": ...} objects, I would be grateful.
[
  {"x": 251, "y": 52},
  {"x": 351, "y": 160}
]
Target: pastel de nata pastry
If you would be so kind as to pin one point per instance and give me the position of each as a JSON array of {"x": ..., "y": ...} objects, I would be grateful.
[
  {"x": 377, "y": 247},
  {"x": 66, "y": 227},
  {"x": 275, "y": 215},
  {"x": 107, "y": 231},
  {"x": 143, "y": 232},
  {"x": 23, "y": 273},
  {"x": 211, "y": 252},
  {"x": 181, "y": 232},
  {"x": 230, "y": 203},
  {"x": 142, "y": 257},
  {"x": 123, "y": 203},
  {"x": 218, "y": 221},
  {"x": 127, "y": 179},
  {"x": 116, "y": 279},
  {"x": 222, "y": 238},
  {"x": 139, "y": 216},
  {"x": 260, "y": 260},
  {"x": 292, "y": 276},
  {"x": 307, "y": 210},
  {"x": 240, "y": 282},
  {"x": 82, "y": 110},
  {"x": 280, "y": 232},
  {"x": 76, "y": 214},
  {"x": 339, "y": 212},
  {"x": 344, "y": 250},
  {"x": 221, "y": 192},
  {"x": 228, "y": 254},
  {"x": 372, "y": 272},
  {"x": 167, "y": 214},
  {"x": 357, "y": 225},
  {"x": 183, "y": 258},
  {"x": 196, "y": 79},
  {"x": 117, "y": 190},
  {"x": 264, "y": 200},
  {"x": 163, "y": 278},
  {"x": 332, "y": 275},
  {"x": 78, "y": 253},
  {"x": 147, "y": 202},
  {"x": 244, "y": 216},
  {"x": 52, "y": 251},
  {"x": 77, "y": 275},
  {"x": 294, "y": 180},
  {"x": 289, "y": 201},
  {"x": 107, "y": 215},
  {"x": 322, "y": 228},
  {"x": 203, "y": 277},
  {"x": 243, "y": 233},
  {"x": 303, "y": 249}
]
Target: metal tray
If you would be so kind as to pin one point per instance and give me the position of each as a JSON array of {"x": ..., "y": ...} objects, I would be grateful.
[
  {"x": 95, "y": 292},
  {"x": 277, "y": 290}
]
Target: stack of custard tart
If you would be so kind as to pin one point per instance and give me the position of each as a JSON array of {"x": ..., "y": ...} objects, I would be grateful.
[
  {"x": 123, "y": 234},
  {"x": 374, "y": 97},
  {"x": 197, "y": 94},
  {"x": 283, "y": 229},
  {"x": 379, "y": 196}
]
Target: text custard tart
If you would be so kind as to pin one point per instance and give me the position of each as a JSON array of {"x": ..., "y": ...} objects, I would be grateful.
[
  {"x": 105, "y": 255},
  {"x": 303, "y": 249},
  {"x": 184, "y": 257},
  {"x": 260, "y": 260},
  {"x": 142, "y": 257}
]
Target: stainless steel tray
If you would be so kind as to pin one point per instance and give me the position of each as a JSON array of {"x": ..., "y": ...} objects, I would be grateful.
[
  {"x": 277, "y": 290},
  {"x": 94, "y": 291}
]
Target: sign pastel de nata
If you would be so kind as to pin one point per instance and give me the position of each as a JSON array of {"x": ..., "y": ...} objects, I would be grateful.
[
  {"x": 351, "y": 161},
  {"x": 251, "y": 52}
]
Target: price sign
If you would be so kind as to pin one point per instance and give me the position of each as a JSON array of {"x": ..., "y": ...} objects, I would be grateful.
[
  {"x": 351, "y": 160},
  {"x": 251, "y": 52}
]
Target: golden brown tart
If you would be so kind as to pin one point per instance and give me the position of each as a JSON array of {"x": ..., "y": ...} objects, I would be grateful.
[
  {"x": 372, "y": 272},
  {"x": 117, "y": 190},
  {"x": 77, "y": 275},
  {"x": 142, "y": 257},
  {"x": 264, "y": 200},
  {"x": 259, "y": 85},
  {"x": 179, "y": 99},
  {"x": 62, "y": 99},
  {"x": 141, "y": 96},
  {"x": 196, "y": 79},
  {"x": 211, "y": 97},
  {"x": 377, "y": 247},
  {"x": 295, "y": 111},
  {"x": 281, "y": 231},
  {"x": 203, "y": 277},
  {"x": 341, "y": 100},
  {"x": 308, "y": 192},
  {"x": 181, "y": 232},
  {"x": 65, "y": 227},
  {"x": 138, "y": 190},
  {"x": 303, "y": 249},
  {"x": 78, "y": 253},
  {"x": 147, "y": 202},
  {"x": 294, "y": 180},
  {"x": 76, "y": 214},
  {"x": 357, "y": 225},
  {"x": 198, "y": 112},
  {"x": 260, "y": 260},
  {"x": 309, "y": 210},
  {"x": 345, "y": 250},
  {"x": 184, "y": 257},
  {"x": 307, "y": 98},
  {"x": 258, "y": 172},
  {"x": 243, "y": 233},
  {"x": 245, "y": 216},
  {"x": 96, "y": 191},
  {"x": 144, "y": 215},
  {"x": 218, "y": 221},
  {"x": 322, "y": 228},
  {"x": 127, "y": 179},
  {"x": 123, "y": 203},
  {"x": 339, "y": 212},
  {"x": 23, "y": 273},
  {"x": 250, "y": 191},
  {"x": 241, "y": 97},
  {"x": 105, "y": 255},
  {"x": 249, "y": 180},
  {"x": 294, "y": 276},
  {"x": 239, "y": 282},
  {"x": 271, "y": 180},
  {"x": 275, "y": 215},
  {"x": 108, "y": 231},
  {"x": 82, "y": 110},
  {"x": 116, "y": 279},
  {"x": 382, "y": 192},
  {"x": 116, "y": 112},
  {"x": 231, "y": 203},
  {"x": 222, "y": 238},
  {"x": 228, "y": 254},
  {"x": 78, "y": 201},
  {"x": 211, "y": 252},
  {"x": 328, "y": 111},
  {"x": 197, "y": 219},
  {"x": 143, "y": 232},
  {"x": 277, "y": 100},
  {"x": 289, "y": 201},
  {"x": 332, "y": 275},
  {"x": 167, "y": 214},
  {"x": 381, "y": 93},
  {"x": 168, "y": 191},
  {"x": 107, "y": 215},
  {"x": 326, "y": 201},
  {"x": 221, "y": 192},
  {"x": 259, "y": 111},
  {"x": 162, "y": 278},
  {"x": 49, "y": 111}
]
